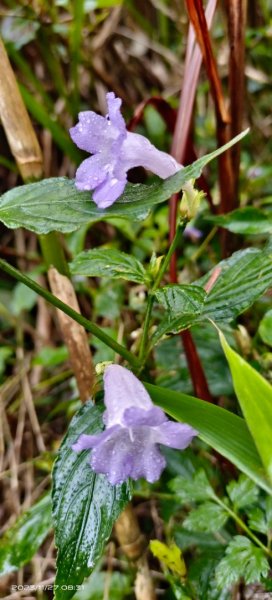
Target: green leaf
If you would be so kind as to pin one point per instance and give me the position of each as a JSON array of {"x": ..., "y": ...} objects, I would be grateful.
[
  {"x": 184, "y": 305},
  {"x": 242, "y": 278},
  {"x": 265, "y": 328},
  {"x": 56, "y": 205},
  {"x": 257, "y": 520},
  {"x": 196, "y": 489},
  {"x": 242, "y": 492},
  {"x": 247, "y": 221},
  {"x": 23, "y": 299},
  {"x": 242, "y": 560},
  {"x": 108, "y": 262},
  {"x": 222, "y": 430},
  {"x": 254, "y": 394},
  {"x": 85, "y": 505},
  {"x": 207, "y": 517},
  {"x": 172, "y": 366},
  {"x": 23, "y": 539},
  {"x": 260, "y": 521}
]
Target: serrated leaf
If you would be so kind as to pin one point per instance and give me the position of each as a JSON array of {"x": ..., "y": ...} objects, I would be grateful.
[
  {"x": 108, "y": 262},
  {"x": 196, "y": 489},
  {"x": 257, "y": 520},
  {"x": 184, "y": 306},
  {"x": 170, "y": 556},
  {"x": 85, "y": 505},
  {"x": 23, "y": 539},
  {"x": 247, "y": 221},
  {"x": 254, "y": 394},
  {"x": 56, "y": 205},
  {"x": 242, "y": 278},
  {"x": 222, "y": 430},
  {"x": 242, "y": 560},
  {"x": 242, "y": 492},
  {"x": 207, "y": 517}
]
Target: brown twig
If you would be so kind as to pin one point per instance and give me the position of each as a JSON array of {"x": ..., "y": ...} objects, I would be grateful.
[
  {"x": 20, "y": 133},
  {"x": 198, "y": 19},
  {"x": 180, "y": 139},
  {"x": 74, "y": 334},
  {"x": 236, "y": 10},
  {"x": 133, "y": 544}
]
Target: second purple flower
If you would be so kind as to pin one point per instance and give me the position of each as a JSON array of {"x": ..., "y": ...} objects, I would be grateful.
[{"x": 135, "y": 428}]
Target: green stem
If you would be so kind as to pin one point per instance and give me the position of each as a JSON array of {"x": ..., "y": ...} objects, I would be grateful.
[
  {"x": 94, "y": 329},
  {"x": 163, "y": 268},
  {"x": 53, "y": 253},
  {"x": 242, "y": 525}
]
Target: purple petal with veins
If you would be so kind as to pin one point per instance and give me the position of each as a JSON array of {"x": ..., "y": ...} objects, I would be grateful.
[
  {"x": 115, "y": 150},
  {"x": 135, "y": 428}
]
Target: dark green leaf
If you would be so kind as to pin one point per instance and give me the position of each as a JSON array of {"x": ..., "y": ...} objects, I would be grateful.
[
  {"x": 85, "y": 505},
  {"x": 196, "y": 489},
  {"x": 207, "y": 517},
  {"x": 242, "y": 278},
  {"x": 56, "y": 205},
  {"x": 248, "y": 220},
  {"x": 23, "y": 539},
  {"x": 108, "y": 262},
  {"x": 242, "y": 560},
  {"x": 184, "y": 306},
  {"x": 242, "y": 492},
  {"x": 172, "y": 366},
  {"x": 221, "y": 429}
]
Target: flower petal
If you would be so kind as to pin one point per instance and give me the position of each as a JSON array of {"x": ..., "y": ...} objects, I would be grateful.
[
  {"x": 138, "y": 151},
  {"x": 114, "y": 457},
  {"x": 135, "y": 416},
  {"x": 148, "y": 461},
  {"x": 90, "y": 132},
  {"x": 86, "y": 442},
  {"x": 114, "y": 105},
  {"x": 175, "y": 435},
  {"x": 122, "y": 391},
  {"x": 91, "y": 173},
  {"x": 108, "y": 191}
]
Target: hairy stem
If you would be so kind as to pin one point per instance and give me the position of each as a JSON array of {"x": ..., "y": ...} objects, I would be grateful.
[{"x": 162, "y": 270}]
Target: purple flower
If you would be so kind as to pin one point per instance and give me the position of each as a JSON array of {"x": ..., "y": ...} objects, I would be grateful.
[
  {"x": 129, "y": 445},
  {"x": 115, "y": 150}
]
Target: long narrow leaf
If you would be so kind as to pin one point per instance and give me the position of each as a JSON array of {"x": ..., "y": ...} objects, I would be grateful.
[
  {"x": 225, "y": 432},
  {"x": 255, "y": 397}
]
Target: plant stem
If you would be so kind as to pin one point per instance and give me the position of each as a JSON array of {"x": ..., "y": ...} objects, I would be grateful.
[
  {"x": 241, "y": 524},
  {"x": 52, "y": 252},
  {"x": 163, "y": 268},
  {"x": 94, "y": 329}
]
